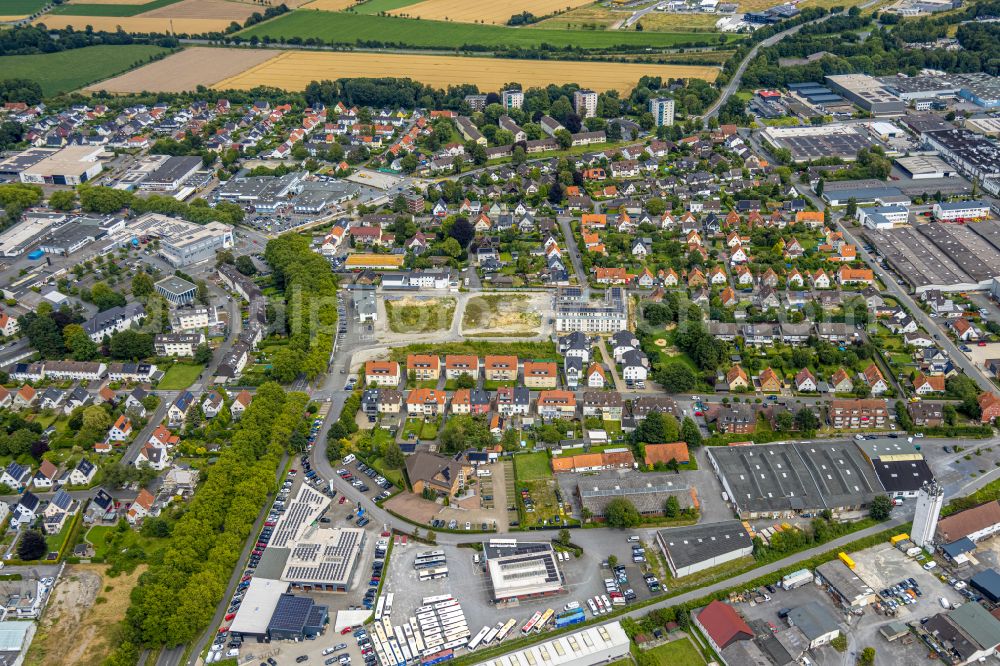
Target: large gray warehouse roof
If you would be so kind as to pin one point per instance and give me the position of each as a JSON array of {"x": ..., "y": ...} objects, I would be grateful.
[
  {"x": 796, "y": 476},
  {"x": 698, "y": 543}
]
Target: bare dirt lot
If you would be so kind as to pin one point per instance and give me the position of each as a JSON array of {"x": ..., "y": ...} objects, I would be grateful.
[
  {"x": 186, "y": 70},
  {"x": 503, "y": 314},
  {"x": 329, "y": 5},
  {"x": 141, "y": 23},
  {"x": 79, "y": 625}
]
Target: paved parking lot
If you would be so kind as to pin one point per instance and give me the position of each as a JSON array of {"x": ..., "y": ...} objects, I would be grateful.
[{"x": 468, "y": 583}]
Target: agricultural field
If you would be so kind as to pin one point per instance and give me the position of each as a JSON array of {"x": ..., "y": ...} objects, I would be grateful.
[
  {"x": 329, "y": 5},
  {"x": 496, "y": 314},
  {"x": 110, "y": 7},
  {"x": 484, "y": 11},
  {"x": 186, "y": 70},
  {"x": 169, "y": 16},
  {"x": 378, "y": 6},
  {"x": 11, "y": 10},
  {"x": 65, "y": 71},
  {"x": 294, "y": 70},
  {"x": 671, "y": 21},
  {"x": 420, "y": 315},
  {"x": 586, "y": 17},
  {"x": 351, "y": 28}
]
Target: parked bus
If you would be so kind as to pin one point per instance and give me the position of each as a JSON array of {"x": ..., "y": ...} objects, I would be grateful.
[
  {"x": 530, "y": 624},
  {"x": 388, "y": 604},
  {"x": 433, "y": 574},
  {"x": 493, "y": 633},
  {"x": 507, "y": 628},
  {"x": 427, "y": 562},
  {"x": 430, "y": 601},
  {"x": 437, "y": 658},
  {"x": 478, "y": 638},
  {"x": 379, "y": 606},
  {"x": 546, "y": 618}
]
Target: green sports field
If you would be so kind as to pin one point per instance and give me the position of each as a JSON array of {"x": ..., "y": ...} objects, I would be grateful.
[
  {"x": 109, "y": 10},
  {"x": 348, "y": 28},
  {"x": 68, "y": 70}
]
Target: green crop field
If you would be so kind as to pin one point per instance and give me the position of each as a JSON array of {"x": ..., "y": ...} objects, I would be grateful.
[
  {"x": 20, "y": 7},
  {"x": 68, "y": 70},
  {"x": 376, "y": 6},
  {"x": 348, "y": 28},
  {"x": 110, "y": 10}
]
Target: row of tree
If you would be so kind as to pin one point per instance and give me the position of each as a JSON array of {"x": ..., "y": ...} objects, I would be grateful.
[{"x": 176, "y": 598}]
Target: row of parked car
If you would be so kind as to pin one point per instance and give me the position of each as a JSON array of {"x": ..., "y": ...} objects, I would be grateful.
[{"x": 378, "y": 566}]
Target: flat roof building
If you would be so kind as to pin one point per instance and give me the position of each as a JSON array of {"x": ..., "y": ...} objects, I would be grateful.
[
  {"x": 525, "y": 570},
  {"x": 974, "y": 155},
  {"x": 177, "y": 290},
  {"x": 867, "y": 92},
  {"x": 812, "y": 142},
  {"x": 297, "y": 618},
  {"x": 692, "y": 549},
  {"x": 71, "y": 165},
  {"x": 903, "y": 478},
  {"x": 783, "y": 480},
  {"x": 609, "y": 316},
  {"x": 925, "y": 166},
  {"x": 258, "y": 606},
  {"x": 172, "y": 173}
]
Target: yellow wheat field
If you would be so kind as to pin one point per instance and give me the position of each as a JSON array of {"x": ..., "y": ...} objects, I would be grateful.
[
  {"x": 293, "y": 70},
  {"x": 204, "y": 9},
  {"x": 4, "y": 19},
  {"x": 185, "y": 70},
  {"x": 109, "y": 2},
  {"x": 191, "y": 26},
  {"x": 329, "y": 5},
  {"x": 484, "y": 11}
]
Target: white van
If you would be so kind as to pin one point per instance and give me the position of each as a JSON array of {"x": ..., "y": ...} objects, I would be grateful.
[
  {"x": 484, "y": 473},
  {"x": 573, "y": 605},
  {"x": 632, "y": 539},
  {"x": 349, "y": 458}
]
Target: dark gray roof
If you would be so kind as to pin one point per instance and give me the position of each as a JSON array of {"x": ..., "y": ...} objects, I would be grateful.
[
  {"x": 813, "y": 619},
  {"x": 902, "y": 475},
  {"x": 690, "y": 545},
  {"x": 796, "y": 476}
]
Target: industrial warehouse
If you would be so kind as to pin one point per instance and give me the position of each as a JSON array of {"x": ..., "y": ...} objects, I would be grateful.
[
  {"x": 784, "y": 480},
  {"x": 648, "y": 492}
]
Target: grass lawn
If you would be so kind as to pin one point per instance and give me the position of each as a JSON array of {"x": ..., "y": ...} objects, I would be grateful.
[
  {"x": 65, "y": 71},
  {"x": 677, "y": 653},
  {"x": 429, "y": 429},
  {"x": 348, "y": 28},
  {"x": 98, "y": 536},
  {"x": 56, "y": 541},
  {"x": 532, "y": 466},
  {"x": 412, "y": 427},
  {"x": 83, "y": 9},
  {"x": 179, "y": 377},
  {"x": 394, "y": 475}
]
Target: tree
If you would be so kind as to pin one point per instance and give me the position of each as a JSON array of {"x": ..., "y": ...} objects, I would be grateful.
[
  {"x": 286, "y": 364},
  {"x": 79, "y": 343},
  {"x": 393, "y": 457},
  {"x": 690, "y": 432},
  {"x": 465, "y": 381},
  {"x": 462, "y": 231},
  {"x": 852, "y": 208},
  {"x": 104, "y": 298},
  {"x": 464, "y": 431},
  {"x": 675, "y": 377},
  {"x": 32, "y": 546},
  {"x": 672, "y": 507},
  {"x": 451, "y": 248},
  {"x": 806, "y": 420},
  {"x": 621, "y": 513},
  {"x": 518, "y": 156},
  {"x": 881, "y": 507},
  {"x": 203, "y": 354},
  {"x": 564, "y": 138},
  {"x": 556, "y": 192},
  {"x": 142, "y": 285},
  {"x": 244, "y": 264},
  {"x": 63, "y": 200},
  {"x": 612, "y": 561},
  {"x": 563, "y": 537},
  {"x": 867, "y": 656},
  {"x": 131, "y": 345}
]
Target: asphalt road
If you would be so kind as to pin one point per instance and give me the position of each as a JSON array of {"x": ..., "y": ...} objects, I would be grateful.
[{"x": 574, "y": 251}]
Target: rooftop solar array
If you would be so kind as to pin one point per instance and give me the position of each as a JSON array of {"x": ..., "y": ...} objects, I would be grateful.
[
  {"x": 302, "y": 511},
  {"x": 327, "y": 559}
]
